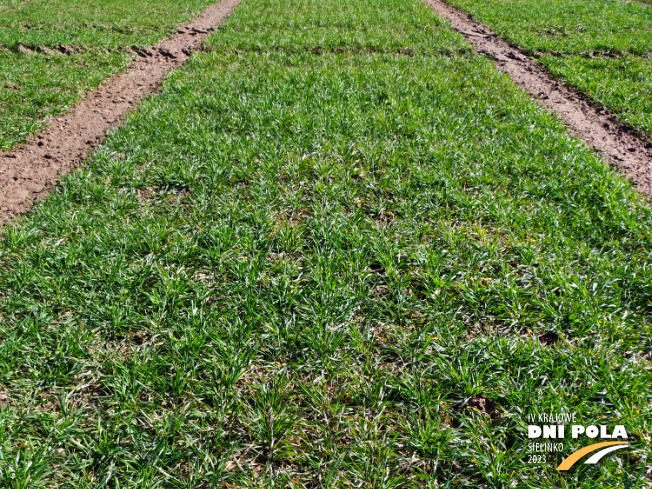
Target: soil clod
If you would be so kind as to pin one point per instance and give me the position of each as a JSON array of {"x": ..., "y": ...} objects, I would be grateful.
[{"x": 484, "y": 405}]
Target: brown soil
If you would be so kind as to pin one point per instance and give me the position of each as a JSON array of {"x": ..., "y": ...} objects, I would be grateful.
[
  {"x": 549, "y": 338},
  {"x": 29, "y": 172},
  {"x": 599, "y": 128},
  {"x": 484, "y": 405},
  {"x": 479, "y": 403}
]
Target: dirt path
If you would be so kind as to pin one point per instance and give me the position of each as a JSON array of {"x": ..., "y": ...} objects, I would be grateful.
[
  {"x": 601, "y": 130},
  {"x": 29, "y": 172}
]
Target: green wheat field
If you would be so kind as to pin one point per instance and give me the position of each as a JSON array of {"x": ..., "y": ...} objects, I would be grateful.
[{"x": 338, "y": 249}]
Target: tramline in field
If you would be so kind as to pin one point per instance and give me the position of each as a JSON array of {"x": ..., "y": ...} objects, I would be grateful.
[{"x": 338, "y": 249}]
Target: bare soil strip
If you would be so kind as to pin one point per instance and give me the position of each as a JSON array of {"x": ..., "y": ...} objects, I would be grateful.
[
  {"x": 29, "y": 172},
  {"x": 598, "y": 127}
]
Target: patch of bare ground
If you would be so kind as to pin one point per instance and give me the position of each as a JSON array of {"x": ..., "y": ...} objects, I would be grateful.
[
  {"x": 599, "y": 128},
  {"x": 482, "y": 404},
  {"x": 27, "y": 174},
  {"x": 549, "y": 338}
]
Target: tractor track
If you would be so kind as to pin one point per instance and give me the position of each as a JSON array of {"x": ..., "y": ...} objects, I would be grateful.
[
  {"x": 30, "y": 171},
  {"x": 622, "y": 146}
]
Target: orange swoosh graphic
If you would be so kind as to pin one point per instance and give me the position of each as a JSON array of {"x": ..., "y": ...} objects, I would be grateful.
[{"x": 575, "y": 456}]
